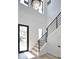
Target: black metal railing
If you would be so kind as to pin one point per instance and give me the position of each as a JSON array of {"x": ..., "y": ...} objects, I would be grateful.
[
  {"x": 42, "y": 41},
  {"x": 54, "y": 24}
]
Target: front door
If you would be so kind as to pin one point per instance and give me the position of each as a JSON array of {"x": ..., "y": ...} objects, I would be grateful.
[{"x": 23, "y": 38}]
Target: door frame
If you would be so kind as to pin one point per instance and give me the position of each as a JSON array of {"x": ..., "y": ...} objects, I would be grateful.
[{"x": 19, "y": 38}]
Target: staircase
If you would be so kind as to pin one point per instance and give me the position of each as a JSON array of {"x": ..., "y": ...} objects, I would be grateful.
[
  {"x": 52, "y": 26},
  {"x": 39, "y": 44}
]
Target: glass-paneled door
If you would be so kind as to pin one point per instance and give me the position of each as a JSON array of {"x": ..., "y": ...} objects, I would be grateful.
[{"x": 23, "y": 38}]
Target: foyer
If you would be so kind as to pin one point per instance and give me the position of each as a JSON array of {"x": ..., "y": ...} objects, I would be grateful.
[{"x": 41, "y": 30}]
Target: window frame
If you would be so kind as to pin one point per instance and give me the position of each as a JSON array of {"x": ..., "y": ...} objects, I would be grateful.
[{"x": 26, "y": 2}]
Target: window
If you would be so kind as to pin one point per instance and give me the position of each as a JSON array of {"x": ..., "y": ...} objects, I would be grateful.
[
  {"x": 25, "y": 2},
  {"x": 41, "y": 8},
  {"x": 28, "y": 3},
  {"x": 40, "y": 33}
]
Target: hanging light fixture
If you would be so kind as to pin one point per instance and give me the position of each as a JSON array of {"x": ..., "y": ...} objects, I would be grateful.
[{"x": 36, "y": 4}]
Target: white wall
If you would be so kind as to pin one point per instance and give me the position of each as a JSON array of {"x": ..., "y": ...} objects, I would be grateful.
[
  {"x": 53, "y": 40},
  {"x": 53, "y": 10},
  {"x": 30, "y": 17}
]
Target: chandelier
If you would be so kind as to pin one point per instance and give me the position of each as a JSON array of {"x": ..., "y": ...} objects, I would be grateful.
[{"x": 36, "y": 4}]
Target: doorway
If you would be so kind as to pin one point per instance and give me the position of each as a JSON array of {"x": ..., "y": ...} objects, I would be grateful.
[{"x": 23, "y": 38}]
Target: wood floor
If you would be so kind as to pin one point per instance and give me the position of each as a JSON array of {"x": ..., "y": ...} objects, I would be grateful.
[{"x": 46, "y": 56}]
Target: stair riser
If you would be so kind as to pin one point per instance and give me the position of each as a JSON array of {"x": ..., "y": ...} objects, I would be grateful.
[{"x": 34, "y": 52}]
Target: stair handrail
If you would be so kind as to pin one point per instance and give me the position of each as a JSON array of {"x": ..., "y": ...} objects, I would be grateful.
[
  {"x": 43, "y": 35},
  {"x": 53, "y": 20},
  {"x": 46, "y": 33},
  {"x": 56, "y": 21},
  {"x": 41, "y": 39}
]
